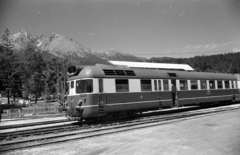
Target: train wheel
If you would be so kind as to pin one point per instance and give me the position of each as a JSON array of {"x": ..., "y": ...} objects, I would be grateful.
[
  {"x": 131, "y": 114},
  {"x": 68, "y": 114},
  {"x": 107, "y": 117},
  {"x": 205, "y": 105},
  {"x": 79, "y": 119}
]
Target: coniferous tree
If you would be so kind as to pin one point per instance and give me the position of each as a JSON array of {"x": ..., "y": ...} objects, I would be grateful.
[
  {"x": 9, "y": 66},
  {"x": 57, "y": 77},
  {"x": 51, "y": 79},
  {"x": 34, "y": 71}
]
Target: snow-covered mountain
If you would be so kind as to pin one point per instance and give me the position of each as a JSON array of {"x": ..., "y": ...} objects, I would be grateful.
[
  {"x": 63, "y": 46},
  {"x": 116, "y": 55},
  {"x": 21, "y": 39},
  {"x": 57, "y": 45}
]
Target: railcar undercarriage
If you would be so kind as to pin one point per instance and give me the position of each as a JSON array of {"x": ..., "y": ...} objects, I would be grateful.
[{"x": 73, "y": 115}]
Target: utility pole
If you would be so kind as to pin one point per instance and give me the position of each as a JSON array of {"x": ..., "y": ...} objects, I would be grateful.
[
  {"x": 58, "y": 68},
  {"x": 64, "y": 78},
  {"x": 8, "y": 86}
]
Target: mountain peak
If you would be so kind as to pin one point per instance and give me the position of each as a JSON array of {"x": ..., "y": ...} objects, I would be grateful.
[
  {"x": 54, "y": 34},
  {"x": 23, "y": 31},
  {"x": 22, "y": 35},
  {"x": 25, "y": 34}
]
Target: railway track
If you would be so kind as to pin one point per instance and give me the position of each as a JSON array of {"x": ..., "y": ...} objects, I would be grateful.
[
  {"x": 32, "y": 124},
  {"x": 53, "y": 128},
  {"x": 109, "y": 128},
  {"x": 40, "y": 128}
]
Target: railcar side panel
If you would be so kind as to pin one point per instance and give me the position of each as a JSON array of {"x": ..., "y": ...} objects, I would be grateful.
[
  {"x": 202, "y": 96},
  {"x": 221, "y": 95},
  {"x": 192, "y": 97},
  {"x": 132, "y": 101}
]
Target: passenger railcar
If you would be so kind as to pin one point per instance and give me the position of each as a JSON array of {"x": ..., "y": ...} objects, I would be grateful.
[{"x": 103, "y": 91}]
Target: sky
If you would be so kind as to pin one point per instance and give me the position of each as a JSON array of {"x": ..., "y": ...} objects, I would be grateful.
[{"x": 144, "y": 28}]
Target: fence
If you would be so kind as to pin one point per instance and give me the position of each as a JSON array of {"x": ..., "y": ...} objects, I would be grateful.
[{"x": 11, "y": 113}]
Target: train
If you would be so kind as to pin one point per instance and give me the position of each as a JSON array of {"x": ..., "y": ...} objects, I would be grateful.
[{"x": 105, "y": 92}]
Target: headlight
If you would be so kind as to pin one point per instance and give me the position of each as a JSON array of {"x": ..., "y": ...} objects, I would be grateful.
[{"x": 80, "y": 103}]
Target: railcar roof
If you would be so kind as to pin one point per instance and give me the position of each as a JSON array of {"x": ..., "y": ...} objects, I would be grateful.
[
  {"x": 237, "y": 76},
  {"x": 114, "y": 72},
  {"x": 153, "y": 65}
]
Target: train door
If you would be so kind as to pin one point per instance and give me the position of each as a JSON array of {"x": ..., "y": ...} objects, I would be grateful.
[
  {"x": 71, "y": 93},
  {"x": 158, "y": 88},
  {"x": 102, "y": 98},
  {"x": 160, "y": 93},
  {"x": 174, "y": 93}
]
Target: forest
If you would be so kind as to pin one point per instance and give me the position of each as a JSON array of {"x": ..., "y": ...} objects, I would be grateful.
[
  {"x": 219, "y": 63},
  {"x": 32, "y": 74},
  {"x": 29, "y": 74}
]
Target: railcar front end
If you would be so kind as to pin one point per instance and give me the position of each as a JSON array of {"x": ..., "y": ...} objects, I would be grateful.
[{"x": 82, "y": 99}]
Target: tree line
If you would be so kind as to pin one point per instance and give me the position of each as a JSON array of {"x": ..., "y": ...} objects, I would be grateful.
[
  {"x": 29, "y": 73},
  {"x": 219, "y": 63}
]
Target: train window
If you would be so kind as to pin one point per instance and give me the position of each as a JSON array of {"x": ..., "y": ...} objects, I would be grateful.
[
  {"x": 183, "y": 85},
  {"x": 203, "y": 84},
  {"x": 233, "y": 84},
  {"x": 165, "y": 85},
  {"x": 122, "y": 85},
  {"x": 172, "y": 75},
  {"x": 159, "y": 85},
  {"x": 211, "y": 84},
  {"x": 146, "y": 85},
  {"x": 155, "y": 85},
  {"x": 227, "y": 85},
  {"x": 100, "y": 85},
  {"x": 72, "y": 84},
  {"x": 84, "y": 86},
  {"x": 220, "y": 85},
  {"x": 194, "y": 84}
]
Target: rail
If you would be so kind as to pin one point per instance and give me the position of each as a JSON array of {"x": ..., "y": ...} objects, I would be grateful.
[{"x": 114, "y": 127}]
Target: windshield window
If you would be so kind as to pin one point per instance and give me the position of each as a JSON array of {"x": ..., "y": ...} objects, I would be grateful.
[
  {"x": 67, "y": 88},
  {"x": 84, "y": 86},
  {"x": 72, "y": 84}
]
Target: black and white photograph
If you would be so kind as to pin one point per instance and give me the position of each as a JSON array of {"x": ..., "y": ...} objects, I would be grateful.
[{"x": 120, "y": 77}]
